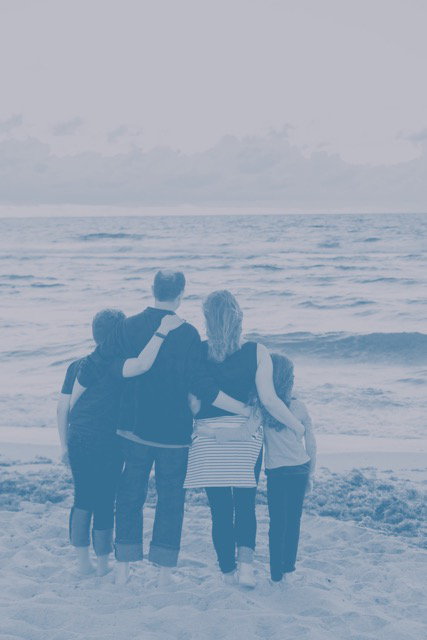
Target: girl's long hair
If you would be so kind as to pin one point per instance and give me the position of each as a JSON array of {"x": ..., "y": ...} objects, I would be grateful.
[
  {"x": 283, "y": 379},
  {"x": 223, "y": 317}
]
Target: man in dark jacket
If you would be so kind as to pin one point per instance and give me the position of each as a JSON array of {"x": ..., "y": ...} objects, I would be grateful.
[{"x": 155, "y": 422}]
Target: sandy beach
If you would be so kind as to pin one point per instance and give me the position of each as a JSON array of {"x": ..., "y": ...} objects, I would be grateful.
[
  {"x": 358, "y": 577},
  {"x": 273, "y": 154}
]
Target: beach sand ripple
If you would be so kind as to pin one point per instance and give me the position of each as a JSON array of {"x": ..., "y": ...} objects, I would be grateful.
[{"x": 352, "y": 583}]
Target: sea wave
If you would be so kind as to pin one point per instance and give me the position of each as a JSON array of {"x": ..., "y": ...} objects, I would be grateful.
[
  {"x": 403, "y": 281},
  {"x": 329, "y": 245},
  {"x": 111, "y": 236},
  {"x": 14, "y": 276},
  {"x": 266, "y": 267},
  {"x": 345, "y": 304},
  {"x": 410, "y": 348},
  {"x": 46, "y": 285}
]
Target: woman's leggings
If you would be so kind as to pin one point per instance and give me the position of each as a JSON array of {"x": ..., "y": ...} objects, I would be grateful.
[{"x": 233, "y": 522}]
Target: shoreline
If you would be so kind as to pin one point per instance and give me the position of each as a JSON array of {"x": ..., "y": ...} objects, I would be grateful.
[{"x": 338, "y": 453}]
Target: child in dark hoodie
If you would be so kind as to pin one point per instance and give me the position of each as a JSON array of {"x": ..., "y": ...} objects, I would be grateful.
[{"x": 90, "y": 445}]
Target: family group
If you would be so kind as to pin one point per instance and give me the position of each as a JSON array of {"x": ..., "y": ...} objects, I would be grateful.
[{"x": 204, "y": 414}]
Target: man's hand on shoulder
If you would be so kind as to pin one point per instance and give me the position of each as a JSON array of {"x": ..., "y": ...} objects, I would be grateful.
[{"x": 169, "y": 323}]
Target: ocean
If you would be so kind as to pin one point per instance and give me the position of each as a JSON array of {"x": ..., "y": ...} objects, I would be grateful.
[{"x": 344, "y": 296}]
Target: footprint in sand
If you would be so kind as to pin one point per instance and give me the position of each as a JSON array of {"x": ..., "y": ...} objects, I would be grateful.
[
  {"x": 320, "y": 565},
  {"x": 366, "y": 623},
  {"x": 190, "y": 562},
  {"x": 18, "y": 630},
  {"x": 42, "y": 571}
]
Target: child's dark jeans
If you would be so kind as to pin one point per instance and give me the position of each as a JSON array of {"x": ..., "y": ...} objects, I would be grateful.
[
  {"x": 285, "y": 494},
  {"x": 96, "y": 469}
]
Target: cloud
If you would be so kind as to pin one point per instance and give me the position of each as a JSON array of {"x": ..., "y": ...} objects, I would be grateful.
[
  {"x": 13, "y": 122},
  {"x": 68, "y": 127},
  {"x": 123, "y": 132},
  {"x": 419, "y": 136},
  {"x": 117, "y": 133},
  {"x": 253, "y": 171}
]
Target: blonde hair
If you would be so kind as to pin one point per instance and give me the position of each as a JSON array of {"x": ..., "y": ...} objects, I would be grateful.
[{"x": 223, "y": 317}]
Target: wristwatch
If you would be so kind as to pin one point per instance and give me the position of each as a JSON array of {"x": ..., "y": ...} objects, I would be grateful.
[{"x": 160, "y": 335}]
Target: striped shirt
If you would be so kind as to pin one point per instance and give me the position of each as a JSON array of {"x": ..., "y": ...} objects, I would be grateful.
[{"x": 222, "y": 464}]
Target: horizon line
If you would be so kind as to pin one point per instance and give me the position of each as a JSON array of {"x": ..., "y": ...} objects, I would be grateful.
[{"x": 13, "y": 211}]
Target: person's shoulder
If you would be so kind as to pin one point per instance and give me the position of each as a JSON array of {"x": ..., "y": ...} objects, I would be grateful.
[
  {"x": 249, "y": 345},
  {"x": 74, "y": 366},
  {"x": 188, "y": 329},
  {"x": 137, "y": 324},
  {"x": 137, "y": 318},
  {"x": 71, "y": 375},
  {"x": 249, "y": 351},
  {"x": 186, "y": 334}
]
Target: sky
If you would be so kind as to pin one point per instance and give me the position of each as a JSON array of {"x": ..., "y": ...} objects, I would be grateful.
[{"x": 294, "y": 104}]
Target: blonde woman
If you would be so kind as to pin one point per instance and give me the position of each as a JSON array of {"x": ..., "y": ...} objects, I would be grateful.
[{"x": 227, "y": 468}]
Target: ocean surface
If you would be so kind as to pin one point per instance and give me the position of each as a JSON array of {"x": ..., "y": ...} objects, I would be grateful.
[{"x": 344, "y": 296}]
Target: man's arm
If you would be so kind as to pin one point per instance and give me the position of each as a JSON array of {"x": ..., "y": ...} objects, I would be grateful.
[
  {"x": 116, "y": 345},
  {"x": 136, "y": 366},
  {"x": 145, "y": 360}
]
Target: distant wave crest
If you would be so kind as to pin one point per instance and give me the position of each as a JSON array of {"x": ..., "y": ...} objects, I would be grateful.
[
  {"x": 266, "y": 267},
  {"x": 389, "y": 347},
  {"x": 112, "y": 236}
]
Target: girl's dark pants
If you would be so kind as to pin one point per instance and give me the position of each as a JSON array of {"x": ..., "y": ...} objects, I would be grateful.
[
  {"x": 233, "y": 521},
  {"x": 285, "y": 494},
  {"x": 96, "y": 467}
]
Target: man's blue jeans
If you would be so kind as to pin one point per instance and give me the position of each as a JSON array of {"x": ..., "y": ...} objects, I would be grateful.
[{"x": 170, "y": 469}]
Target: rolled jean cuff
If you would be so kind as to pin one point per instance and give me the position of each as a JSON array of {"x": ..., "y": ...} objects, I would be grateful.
[
  {"x": 80, "y": 527},
  {"x": 245, "y": 554},
  {"x": 163, "y": 556},
  {"x": 128, "y": 552},
  {"x": 102, "y": 541}
]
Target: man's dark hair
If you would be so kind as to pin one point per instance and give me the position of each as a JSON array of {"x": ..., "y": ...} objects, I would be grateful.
[
  {"x": 104, "y": 321},
  {"x": 168, "y": 285}
]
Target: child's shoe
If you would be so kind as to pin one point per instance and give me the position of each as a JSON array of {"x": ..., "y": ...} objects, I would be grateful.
[
  {"x": 246, "y": 575},
  {"x": 230, "y": 577}
]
